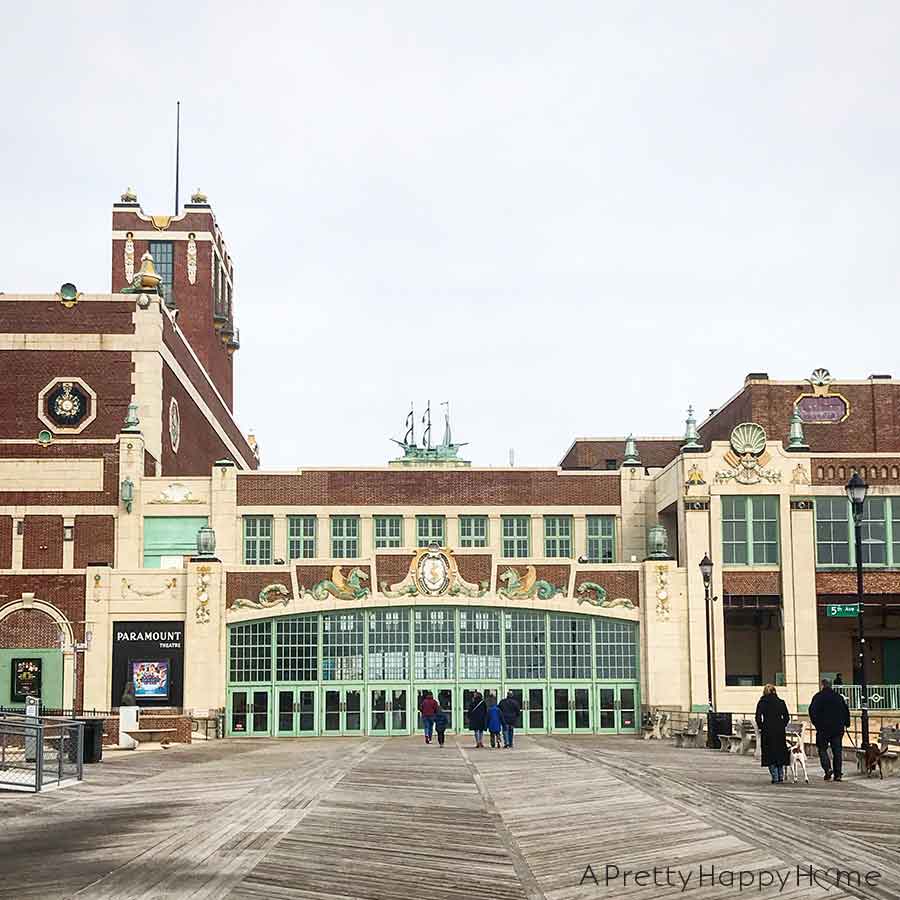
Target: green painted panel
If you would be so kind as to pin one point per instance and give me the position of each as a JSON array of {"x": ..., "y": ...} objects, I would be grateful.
[
  {"x": 51, "y": 676},
  {"x": 170, "y": 536},
  {"x": 891, "y": 672}
]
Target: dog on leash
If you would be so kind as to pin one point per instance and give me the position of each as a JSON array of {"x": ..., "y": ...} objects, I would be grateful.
[
  {"x": 872, "y": 759},
  {"x": 798, "y": 761}
]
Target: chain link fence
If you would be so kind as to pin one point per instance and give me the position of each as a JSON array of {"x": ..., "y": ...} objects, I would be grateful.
[{"x": 39, "y": 752}]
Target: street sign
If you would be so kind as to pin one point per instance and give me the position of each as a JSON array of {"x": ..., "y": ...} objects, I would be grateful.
[{"x": 842, "y": 610}]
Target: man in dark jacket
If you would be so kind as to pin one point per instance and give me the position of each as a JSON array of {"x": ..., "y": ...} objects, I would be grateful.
[
  {"x": 830, "y": 715},
  {"x": 509, "y": 709}
]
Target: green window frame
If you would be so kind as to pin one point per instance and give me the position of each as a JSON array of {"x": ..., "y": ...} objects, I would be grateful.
[
  {"x": 516, "y": 534},
  {"x": 750, "y": 531},
  {"x": 163, "y": 253},
  {"x": 879, "y": 530},
  {"x": 601, "y": 539},
  {"x": 250, "y": 652},
  {"x": 345, "y": 537},
  {"x": 257, "y": 540},
  {"x": 429, "y": 530},
  {"x": 473, "y": 531},
  {"x": 557, "y": 536},
  {"x": 301, "y": 537},
  {"x": 388, "y": 531}
]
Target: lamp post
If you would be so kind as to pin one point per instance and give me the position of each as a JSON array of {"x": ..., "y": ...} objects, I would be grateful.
[
  {"x": 706, "y": 568},
  {"x": 856, "y": 492}
]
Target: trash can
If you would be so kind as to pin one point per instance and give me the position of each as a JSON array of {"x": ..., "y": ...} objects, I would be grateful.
[
  {"x": 720, "y": 723},
  {"x": 93, "y": 740}
]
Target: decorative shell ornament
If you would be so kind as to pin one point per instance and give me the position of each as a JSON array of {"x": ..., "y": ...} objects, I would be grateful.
[
  {"x": 748, "y": 437},
  {"x": 820, "y": 377},
  {"x": 199, "y": 197}
]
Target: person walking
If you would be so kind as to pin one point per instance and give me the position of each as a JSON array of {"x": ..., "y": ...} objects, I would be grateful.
[
  {"x": 440, "y": 725},
  {"x": 495, "y": 725},
  {"x": 771, "y": 719},
  {"x": 509, "y": 710},
  {"x": 830, "y": 715},
  {"x": 478, "y": 718},
  {"x": 429, "y": 707}
]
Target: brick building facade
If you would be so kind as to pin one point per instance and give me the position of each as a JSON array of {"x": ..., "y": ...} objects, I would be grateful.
[{"x": 336, "y": 597}]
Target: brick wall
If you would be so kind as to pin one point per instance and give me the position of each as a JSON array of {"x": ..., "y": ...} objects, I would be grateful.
[
  {"x": 51, "y": 317},
  {"x": 42, "y": 545},
  {"x": 181, "y": 724},
  {"x": 199, "y": 446},
  {"x": 874, "y": 582},
  {"x": 616, "y": 584},
  {"x": 109, "y": 453},
  {"x": 455, "y": 487},
  {"x": 6, "y": 541},
  {"x": 873, "y": 425},
  {"x": 176, "y": 344},
  {"x": 28, "y": 372},
  {"x": 475, "y": 568},
  {"x": 594, "y": 454},
  {"x": 95, "y": 540},
  {"x": 748, "y": 584},
  {"x": 28, "y": 628}
]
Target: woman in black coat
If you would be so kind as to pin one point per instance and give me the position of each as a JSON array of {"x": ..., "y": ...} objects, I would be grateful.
[
  {"x": 478, "y": 717},
  {"x": 771, "y": 719}
]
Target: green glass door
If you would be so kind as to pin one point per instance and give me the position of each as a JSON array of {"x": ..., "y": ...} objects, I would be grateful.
[
  {"x": 532, "y": 718},
  {"x": 491, "y": 695},
  {"x": 249, "y": 711},
  {"x": 571, "y": 708},
  {"x": 616, "y": 708},
  {"x": 388, "y": 710},
  {"x": 342, "y": 711},
  {"x": 444, "y": 696},
  {"x": 296, "y": 711}
]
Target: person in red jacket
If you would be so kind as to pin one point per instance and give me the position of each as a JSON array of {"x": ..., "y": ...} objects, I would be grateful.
[{"x": 429, "y": 708}]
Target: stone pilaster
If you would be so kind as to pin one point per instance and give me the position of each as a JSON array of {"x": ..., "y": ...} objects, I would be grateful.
[{"x": 204, "y": 636}]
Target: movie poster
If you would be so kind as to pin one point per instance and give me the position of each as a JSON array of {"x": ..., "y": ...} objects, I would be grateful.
[
  {"x": 26, "y": 679},
  {"x": 150, "y": 679}
]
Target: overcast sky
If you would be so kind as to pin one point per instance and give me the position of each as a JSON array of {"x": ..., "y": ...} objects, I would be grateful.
[{"x": 568, "y": 219}]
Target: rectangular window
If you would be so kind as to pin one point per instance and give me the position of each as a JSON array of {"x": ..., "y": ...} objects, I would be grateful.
[
  {"x": 616, "y": 649},
  {"x": 895, "y": 530},
  {"x": 479, "y": 644},
  {"x": 342, "y": 646},
  {"x": 163, "y": 253},
  {"x": 570, "y": 646},
  {"x": 601, "y": 539},
  {"x": 874, "y": 532},
  {"x": 301, "y": 537},
  {"x": 250, "y": 652},
  {"x": 557, "y": 535},
  {"x": 435, "y": 644},
  {"x": 388, "y": 656},
  {"x": 297, "y": 648},
  {"x": 473, "y": 531},
  {"x": 429, "y": 530},
  {"x": 750, "y": 531},
  {"x": 257, "y": 540},
  {"x": 515, "y": 536},
  {"x": 388, "y": 531},
  {"x": 526, "y": 641},
  {"x": 832, "y": 531},
  {"x": 345, "y": 537}
]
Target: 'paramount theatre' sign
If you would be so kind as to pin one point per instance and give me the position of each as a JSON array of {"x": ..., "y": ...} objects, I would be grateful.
[{"x": 149, "y": 656}]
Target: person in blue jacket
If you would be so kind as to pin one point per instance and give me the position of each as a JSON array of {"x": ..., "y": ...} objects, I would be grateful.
[{"x": 495, "y": 725}]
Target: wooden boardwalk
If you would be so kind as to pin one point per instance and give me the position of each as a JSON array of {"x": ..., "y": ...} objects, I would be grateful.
[{"x": 392, "y": 819}]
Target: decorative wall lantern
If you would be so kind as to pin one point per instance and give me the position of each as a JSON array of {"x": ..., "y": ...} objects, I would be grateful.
[
  {"x": 126, "y": 493},
  {"x": 658, "y": 542},
  {"x": 206, "y": 542}
]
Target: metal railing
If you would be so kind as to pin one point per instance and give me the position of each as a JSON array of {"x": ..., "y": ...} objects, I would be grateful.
[
  {"x": 881, "y": 696},
  {"x": 36, "y": 753}
]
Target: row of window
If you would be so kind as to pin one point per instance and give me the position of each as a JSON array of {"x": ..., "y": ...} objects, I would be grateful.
[
  {"x": 750, "y": 531},
  {"x": 438, "y": 644},
  {"x": 515, "y": 536}
]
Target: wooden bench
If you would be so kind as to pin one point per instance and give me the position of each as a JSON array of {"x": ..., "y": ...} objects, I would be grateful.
[
  {"x": 888, "y": 737},
  {"x": 742, "y": 740},
  {"x": 691, "y": 736}
]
